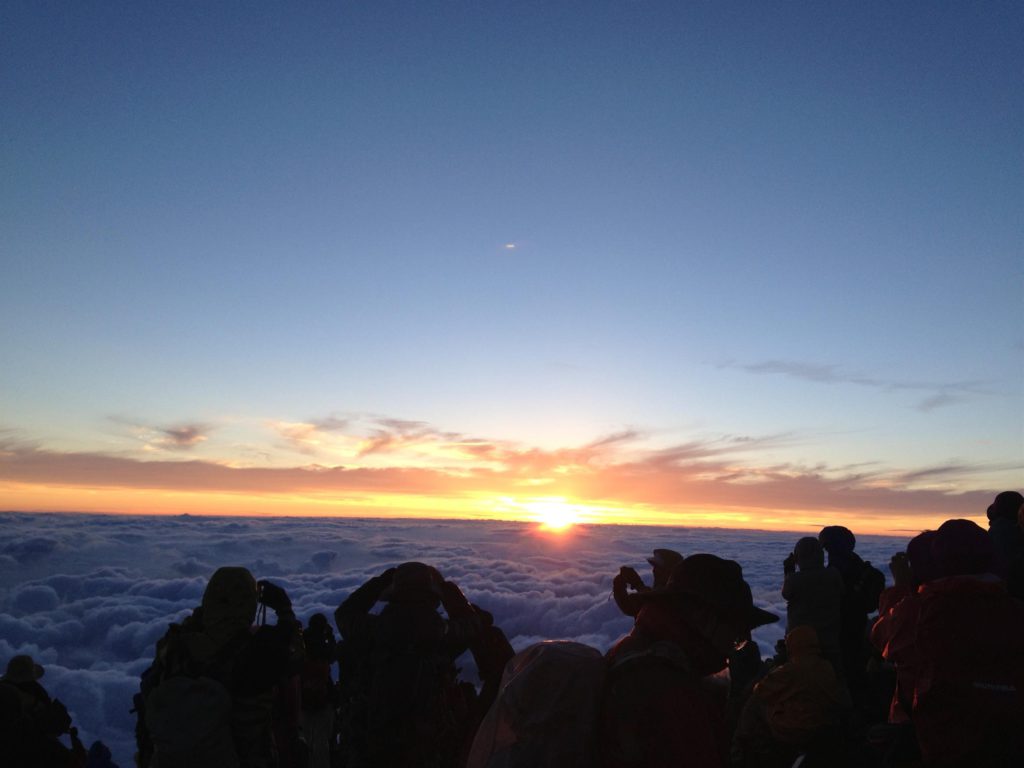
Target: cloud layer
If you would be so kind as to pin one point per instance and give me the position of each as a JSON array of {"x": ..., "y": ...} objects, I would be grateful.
[
  {"x": 89, "y": 596},
  {"x": 622, "y": 475}
]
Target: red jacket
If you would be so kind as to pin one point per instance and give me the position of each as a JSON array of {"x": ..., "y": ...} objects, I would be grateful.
[
  {"x": 962, "y": 640},
  {"x": 660, "y": 709},
  {"x": 894, "y": 634}
]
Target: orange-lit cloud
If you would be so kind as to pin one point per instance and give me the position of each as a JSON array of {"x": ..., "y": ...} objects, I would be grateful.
[
  {"x": 612, "y": 479},
  {"x": 312, "y": 436}
]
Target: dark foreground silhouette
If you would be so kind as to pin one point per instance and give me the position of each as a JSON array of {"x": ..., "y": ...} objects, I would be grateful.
[{"x": 936, "y": 678}]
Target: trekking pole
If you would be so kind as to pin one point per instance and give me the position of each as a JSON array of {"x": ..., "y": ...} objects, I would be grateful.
[{"x": 261, "y": 610}]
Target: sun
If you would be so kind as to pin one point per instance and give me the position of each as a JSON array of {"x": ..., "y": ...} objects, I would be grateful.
[{"x": 554, "y": 514}]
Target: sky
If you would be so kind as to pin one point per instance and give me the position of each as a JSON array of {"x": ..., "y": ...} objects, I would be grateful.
[
  {"x": 88, "y": 596},
  {"x": 730, "y": 264}
]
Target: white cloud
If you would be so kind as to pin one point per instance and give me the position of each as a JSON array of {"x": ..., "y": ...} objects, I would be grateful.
[{"x": 88, "y": 596}]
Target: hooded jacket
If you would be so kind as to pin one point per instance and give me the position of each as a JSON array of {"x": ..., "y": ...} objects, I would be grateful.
[
  {"x": 959, "y": 642},
  {"x": 803, "y": 695}
]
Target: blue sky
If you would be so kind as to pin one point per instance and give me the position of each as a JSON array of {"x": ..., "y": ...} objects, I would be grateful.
[{"x": 537, "y": 223}]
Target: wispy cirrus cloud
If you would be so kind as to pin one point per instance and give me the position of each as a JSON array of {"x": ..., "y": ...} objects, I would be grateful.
[
  {"x": 310, "y": 436},
  {"x": 176, "y": 437},
  {"x": 937, "y": 394},
  {"x": 362, "y": 436},
  {"x": 182, "y": 437}
]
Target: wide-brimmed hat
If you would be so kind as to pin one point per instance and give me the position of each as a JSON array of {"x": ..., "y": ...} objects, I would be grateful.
[
  {"x": 23, "y": 669},
  {"x": 665, "y": 558},
  {"x": 717, "y": 583}
]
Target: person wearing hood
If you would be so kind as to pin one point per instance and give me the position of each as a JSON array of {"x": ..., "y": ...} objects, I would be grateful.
[
  {"x": 796, "y": 706},
  {"x": 208, "y": 698},
  {"x": 895, "y": 630},
  {"x": 660, "y": 706},
  {"x": 1008, "y": 539},
  {"x": 662, "y": 562},
  {"x": 960, "y": 634}
]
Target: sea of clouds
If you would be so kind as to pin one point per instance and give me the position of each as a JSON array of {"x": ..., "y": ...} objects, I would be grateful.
[{"x": 88, "y": 596}]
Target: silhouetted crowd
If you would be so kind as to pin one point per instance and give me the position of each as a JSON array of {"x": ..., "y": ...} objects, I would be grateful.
[{"x": 926, "y": 672}]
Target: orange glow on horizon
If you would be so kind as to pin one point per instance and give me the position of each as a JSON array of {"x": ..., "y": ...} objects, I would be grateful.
[
  {"x": 554, "y": 514},
  {"x": 551, "y": 513}
]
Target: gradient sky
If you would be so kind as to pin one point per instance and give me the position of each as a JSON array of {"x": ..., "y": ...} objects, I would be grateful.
[{"x": 745, "y": 264}]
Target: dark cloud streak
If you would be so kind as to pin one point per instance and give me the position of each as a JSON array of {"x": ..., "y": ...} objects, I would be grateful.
[{"x": 942, "y": 393}]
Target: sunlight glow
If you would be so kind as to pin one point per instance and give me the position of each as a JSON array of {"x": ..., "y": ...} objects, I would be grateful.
[{"x": 553, "y": 514}]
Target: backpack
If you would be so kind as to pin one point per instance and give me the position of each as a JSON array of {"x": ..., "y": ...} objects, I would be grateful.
[
  {"x": 185, "y": 709},
  {"x": 869, "y": 586},
  {"x": 415, "y": 709},
  {"x": 546, "y": 711},
  {"x": 401, "y": 701}
]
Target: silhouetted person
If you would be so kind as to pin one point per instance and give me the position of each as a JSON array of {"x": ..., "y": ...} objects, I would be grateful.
[
  {"x": 100, "y": 756},
  {"x": 31, "y": 722},
  {"x": 961, "y": 636},
  {"x": 404, "y": 704},
  {"x": 318, "y": 693},
  {"x": 895, "y": 630},
  {"x": 813, "y": 597},
  {"x": 545, "y": 715},
  {"x": 208, "y": 698},
  {"x": 659, "y": 708},
  {"x": 797, "y": 706},
  {"x": 862, "y": 586},
  {"x": 662, "y": 562},
  {"x": 1008, "y": 539}
]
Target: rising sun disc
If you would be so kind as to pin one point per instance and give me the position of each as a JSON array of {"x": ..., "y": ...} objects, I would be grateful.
[{"x": 554, "y": 515}]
